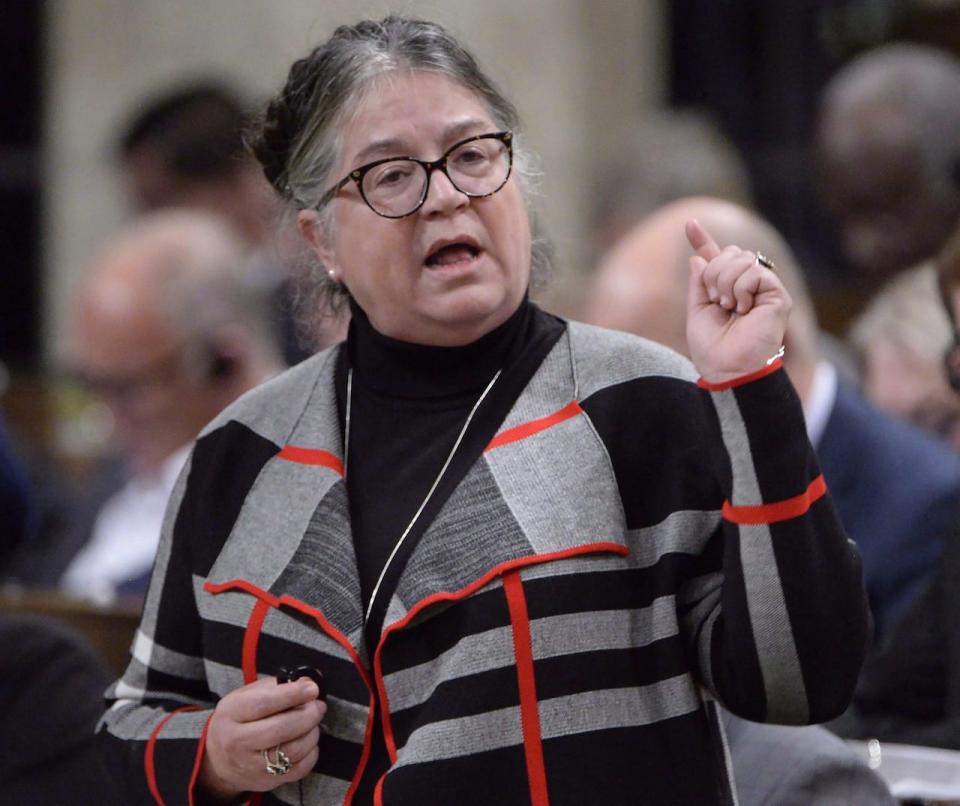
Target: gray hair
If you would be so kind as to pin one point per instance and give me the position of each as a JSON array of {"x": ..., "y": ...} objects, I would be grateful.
[
  {"x": 908, "y": 312},
  {"x": 208, "y": 280},
  {"x": 299, "y": 137}
]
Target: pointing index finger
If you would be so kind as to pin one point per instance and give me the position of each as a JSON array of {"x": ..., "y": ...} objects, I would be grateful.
[{"x": 701, "y": 241}]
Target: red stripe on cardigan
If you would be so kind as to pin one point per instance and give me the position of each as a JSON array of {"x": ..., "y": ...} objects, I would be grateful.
[
  {"x": 524, "y": 430},
  {"x": 251, "y": 638},
  {"x": 779, "y": 511},
  {"x": 742, "y": 380},
  {"x": 198, "y": 760},
  {"x": 526, "y": 680},
  {"x": 462, "y": 593},
  {"x": 335, "y": 634},
  {"x": 311, "y": 456},
  {"x": 149, "y": 766}
]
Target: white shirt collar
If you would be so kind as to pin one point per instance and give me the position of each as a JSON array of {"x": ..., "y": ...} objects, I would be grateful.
[
  {"x": 818, "y": 403},
  {"x": 125, "y": 535}
]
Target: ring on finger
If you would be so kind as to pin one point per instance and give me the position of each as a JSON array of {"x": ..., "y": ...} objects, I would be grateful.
[
  {"x": 280, "y": 764},
  {"x": 764, "y": 261}
]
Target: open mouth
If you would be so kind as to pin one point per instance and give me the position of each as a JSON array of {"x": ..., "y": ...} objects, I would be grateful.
[{"x": 452, "y": 254}]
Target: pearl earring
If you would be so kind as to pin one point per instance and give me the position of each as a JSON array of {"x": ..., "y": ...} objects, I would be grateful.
[{"x": 332, "y": 274}]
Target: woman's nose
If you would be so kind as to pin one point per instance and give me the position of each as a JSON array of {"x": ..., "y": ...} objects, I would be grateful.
[{"x": 442, "y": 195}]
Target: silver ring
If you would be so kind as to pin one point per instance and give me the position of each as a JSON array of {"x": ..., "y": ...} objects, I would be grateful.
[
  {"x": 764, "y": 261},
  {"x": 282, "y": 763}
]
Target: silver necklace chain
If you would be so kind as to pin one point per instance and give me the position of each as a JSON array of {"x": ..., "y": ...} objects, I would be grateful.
[{"x": 433, "y": 487}]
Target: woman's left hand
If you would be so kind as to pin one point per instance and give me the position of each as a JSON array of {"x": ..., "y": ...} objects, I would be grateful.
[{"x": 737, "y": 309}]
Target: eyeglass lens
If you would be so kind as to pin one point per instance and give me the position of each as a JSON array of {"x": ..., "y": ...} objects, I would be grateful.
[{"x": 476, "y": 168}]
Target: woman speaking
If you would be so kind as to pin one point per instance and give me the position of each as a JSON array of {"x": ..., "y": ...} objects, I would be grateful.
[{"x": 526, "y": 555}]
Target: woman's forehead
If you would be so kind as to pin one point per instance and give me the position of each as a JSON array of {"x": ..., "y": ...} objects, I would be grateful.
[{"x": 402, "y": 111}]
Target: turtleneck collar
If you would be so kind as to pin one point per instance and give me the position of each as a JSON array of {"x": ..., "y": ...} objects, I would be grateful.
[{"x": 415, "y": 371}]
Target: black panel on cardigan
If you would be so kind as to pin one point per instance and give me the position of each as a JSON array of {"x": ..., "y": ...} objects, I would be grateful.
[
  {"x": 471, "y": 695},
  {"x": 770, "y": 406},
  {"x": 790, "y": 541},
  {"x": 223, "y": 467},
  {"x": 614, "y": 764},
  {"x": 338, "y": 758},
  {"x": 493, "y": 777},
  {"x": 339, "y": 674},
  {"x": 740, "y": 683},
  {"x": 225, "y": 464},
  {"x": 651, "y": 416},
  {"x": 433, "y": 636},
  {"x": 624, "y": 589}
]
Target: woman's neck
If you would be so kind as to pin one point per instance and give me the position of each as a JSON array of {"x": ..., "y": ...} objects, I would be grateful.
[{"x": 406, "y": 370}]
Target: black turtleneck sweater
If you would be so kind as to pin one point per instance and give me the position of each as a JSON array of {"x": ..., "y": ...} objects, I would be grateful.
[{"x": 409, "y": 403}]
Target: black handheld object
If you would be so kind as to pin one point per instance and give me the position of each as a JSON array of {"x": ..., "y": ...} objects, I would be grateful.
[{"x": 288, "y": 674}]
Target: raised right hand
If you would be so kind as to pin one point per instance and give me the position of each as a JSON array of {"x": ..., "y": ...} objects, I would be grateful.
[{"x": 257, "y": 717}]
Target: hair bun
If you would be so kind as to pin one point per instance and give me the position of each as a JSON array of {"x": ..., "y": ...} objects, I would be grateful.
[{"x": 276, "y": 131}]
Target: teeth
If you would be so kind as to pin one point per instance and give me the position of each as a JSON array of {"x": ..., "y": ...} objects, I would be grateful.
[{"x": 454, "y": 253}]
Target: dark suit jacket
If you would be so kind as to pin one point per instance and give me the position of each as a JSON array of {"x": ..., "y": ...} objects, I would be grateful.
[
  {"x": 51, "y": 696},
  {"x": 909, "y": 691},
  {"x": 775, "y": 765},
  {"x": 897, "y": 491}
]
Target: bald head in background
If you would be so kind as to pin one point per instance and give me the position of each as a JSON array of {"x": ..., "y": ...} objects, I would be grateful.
[
  {"x": 896, "y": 489},
  {"x": 641, "y": 284},
  {"x": 169, "y": 328}
]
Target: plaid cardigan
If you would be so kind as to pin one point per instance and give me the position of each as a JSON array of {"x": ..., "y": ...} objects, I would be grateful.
[{"x": 631, "y": 545}]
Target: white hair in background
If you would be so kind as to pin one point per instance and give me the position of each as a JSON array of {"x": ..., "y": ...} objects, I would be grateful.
[{"x": 907, "y": 312}]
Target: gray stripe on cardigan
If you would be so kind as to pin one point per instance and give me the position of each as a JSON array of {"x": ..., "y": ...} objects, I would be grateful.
[{"x": 552, "y": 636}]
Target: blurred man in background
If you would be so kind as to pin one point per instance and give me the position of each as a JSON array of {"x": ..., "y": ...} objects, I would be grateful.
[
  {"x": 168, "y": 329},
  {"x": 909, "y": 692},
  {"x": 15, "y": 507},
  {"x": 185, "y": 148},
  {"x": 888, "y": 139},
  {"x": 900, "y": 338},
  {"x": 896, "y": 488},
  {"x": 641, "y": 287}
]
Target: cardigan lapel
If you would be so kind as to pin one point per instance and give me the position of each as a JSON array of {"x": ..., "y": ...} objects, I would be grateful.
[{"x": 293, "y": 536}]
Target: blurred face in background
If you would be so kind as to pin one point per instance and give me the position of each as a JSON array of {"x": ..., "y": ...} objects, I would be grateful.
[
  {"x": 130, "y": 354},
  {"x": 911, "y": 386},
  {"x": 878, "y": 190}
]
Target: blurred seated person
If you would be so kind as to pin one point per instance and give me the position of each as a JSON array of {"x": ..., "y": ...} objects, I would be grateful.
[
  {"x": 15, "y": 505},
  {"x": 51, "y": 698},
  {"x": 184, "y": 148},
  {"x": 909, "y": 691},
  {"x": 664, "y": 155},
  {"x": 789, "y": 765},
  {"x": 896, "y": 488},
  {"x": 900, "y": 338},
  {"x": 168, "y": 329},
  {"x": 887, "y": 143}
]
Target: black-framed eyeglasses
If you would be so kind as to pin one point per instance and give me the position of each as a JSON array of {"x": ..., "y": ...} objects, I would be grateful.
[
  {"x": 396, "y": 187},
  {"x": 126, "y": 388}
]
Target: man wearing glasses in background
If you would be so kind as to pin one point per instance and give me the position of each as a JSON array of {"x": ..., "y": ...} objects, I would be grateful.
[{"x": 169, "y": 327}]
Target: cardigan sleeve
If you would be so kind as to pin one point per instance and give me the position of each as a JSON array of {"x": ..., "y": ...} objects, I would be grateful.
[
  {"x": 155, "y": 728},
  {"x": 152, "y": 733},
  {"x": 783, "y": 634}
]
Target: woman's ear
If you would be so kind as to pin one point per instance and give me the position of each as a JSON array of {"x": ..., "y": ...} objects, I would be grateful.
[{"x": 314, "y": 233}]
